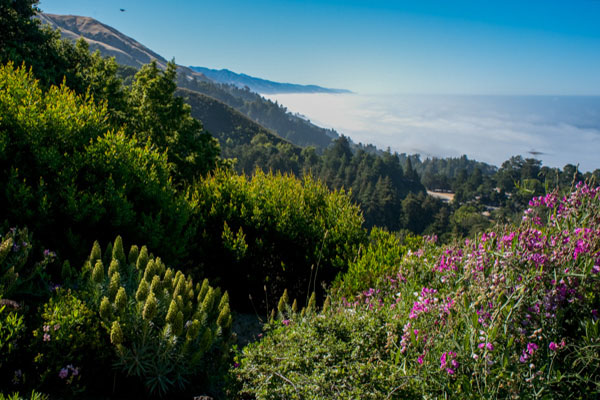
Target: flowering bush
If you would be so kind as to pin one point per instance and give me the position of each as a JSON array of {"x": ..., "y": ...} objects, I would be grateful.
[
  {"x": 165, "y": 331},
  {"x": 69, "y": 333},
  {"x": 511, "y": 314},
  {"x": 17, "y": 275}
]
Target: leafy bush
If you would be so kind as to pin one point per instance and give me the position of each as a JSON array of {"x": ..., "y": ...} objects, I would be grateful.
[
  {"x": 69, "y": 333},
  {"x": 511, "y": 314},
  {"x": 12, "y": 329},
  {"x": 62, "y": 166},
  {"x": 18, "y": 275},
  {"x": 377, "y": 262},
  {"x": 165, "y": 331},
  {"x": 273, "y": 231}
]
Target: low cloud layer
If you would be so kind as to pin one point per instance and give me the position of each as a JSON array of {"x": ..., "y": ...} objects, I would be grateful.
[{"x": 486, "y": 128}]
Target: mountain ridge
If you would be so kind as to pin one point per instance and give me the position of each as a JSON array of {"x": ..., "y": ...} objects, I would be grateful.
[{"x": 260, "y": 85}]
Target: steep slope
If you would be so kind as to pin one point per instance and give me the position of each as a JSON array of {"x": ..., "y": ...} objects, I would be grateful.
[
  {"x": 110, "y": 42},
  {"x": 102, "y": 37},
  {"x": 223, "y": 121},
  {"x": 261, "y": 85},
  {"x": 127, "y": 51}
]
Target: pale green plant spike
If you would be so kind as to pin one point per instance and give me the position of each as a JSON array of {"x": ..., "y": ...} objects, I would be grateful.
[
  {"x": 134, "y": 253},
  {"x": 150, "y": 307},
  {"x": 98, "y": 272},
  {"x": 142, "y": 259},
  {"x": 113, "y": 267},
  {"x": 118, "y": 252},
  {"x": 96, "y": 253},
  {"x": 116, "y": 333}
]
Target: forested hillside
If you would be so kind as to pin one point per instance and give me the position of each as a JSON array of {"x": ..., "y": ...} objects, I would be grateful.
[{"x": 132, "y": 53}]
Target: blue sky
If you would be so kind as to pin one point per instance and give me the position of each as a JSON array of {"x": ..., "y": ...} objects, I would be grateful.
[{"x": 420, "y": 46}]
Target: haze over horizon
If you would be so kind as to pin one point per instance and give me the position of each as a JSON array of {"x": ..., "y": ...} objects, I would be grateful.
[{"x": 374, "y": 47}]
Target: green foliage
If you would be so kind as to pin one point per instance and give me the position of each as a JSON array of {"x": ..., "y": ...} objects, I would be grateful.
[
  {"x": 160, "y": 117},
  {"x": 325, "y": 356},
  {"x": 271, "y": 115},
  {"x": 33, "y": 396},
  {"x": 163, "y": 334},
  {"x": 61, "y": 165},
  {"x": 12, "y": 329},
  {"x": 68, "y": 333},
  {"x": 284, "y": 226},
  {"x": 18, "y": 275},
  {"x": 377, "y": 263}
]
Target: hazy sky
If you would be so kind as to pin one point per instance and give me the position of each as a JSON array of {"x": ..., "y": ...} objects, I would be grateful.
[{"x": 371, "y": 46}]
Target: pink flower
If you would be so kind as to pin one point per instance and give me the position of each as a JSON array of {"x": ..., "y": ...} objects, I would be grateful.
[
  {"x": 531, "y": 348},
  {"x": 56, "y": 327},
  {"x": 286, "y": 322},
  {"x": 448, "y": 357},
  {"x": 523, "y": 357},
  {"x": 46, "y": 328},
  {"x": 488, "y": 346},
  {"x": 420, "y": 360},
  {"x": 46, "y": 337},
  {"x": 553, "y": 346}
]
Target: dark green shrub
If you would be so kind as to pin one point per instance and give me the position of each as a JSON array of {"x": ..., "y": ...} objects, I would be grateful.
[
  {"x": 12, "y": 332},
  {"x": 273, "y": 231},
  {"x": 71, "y": 179}
]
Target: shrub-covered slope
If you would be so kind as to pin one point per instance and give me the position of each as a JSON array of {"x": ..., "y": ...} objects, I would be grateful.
[{"x": 510, "y": 314}]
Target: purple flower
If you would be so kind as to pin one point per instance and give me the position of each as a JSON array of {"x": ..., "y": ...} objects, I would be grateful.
[
  {"x": 486, "y": 345},
  {"x": 553, "y": 346},
  {"x": 286, "y": 322},
  {"x": 531, "y": 348},
  {"x": 63, "y": 373},
  {"x": 420, "y": 360},
  {"x": 448, "y": 357},
  {"x": 523, "y": 357}
]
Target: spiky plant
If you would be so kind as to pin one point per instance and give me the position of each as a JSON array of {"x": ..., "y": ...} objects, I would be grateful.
[{"x": 164, "y": 329}]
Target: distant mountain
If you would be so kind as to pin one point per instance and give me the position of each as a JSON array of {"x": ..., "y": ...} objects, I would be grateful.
[
  {"x": 259, "y": 85},
  {"x": 130, "y": 53}
]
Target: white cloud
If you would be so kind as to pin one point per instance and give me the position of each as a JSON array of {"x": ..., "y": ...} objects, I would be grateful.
[{"x": 490, "y": 129}]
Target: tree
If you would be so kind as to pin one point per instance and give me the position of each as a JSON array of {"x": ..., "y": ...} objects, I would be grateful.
[{"x": 164, "y": 120}]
